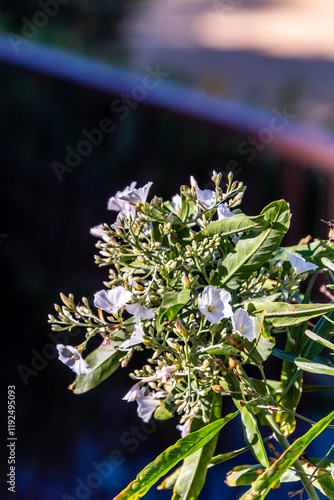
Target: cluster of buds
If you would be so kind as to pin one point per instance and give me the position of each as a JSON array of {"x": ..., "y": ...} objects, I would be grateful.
[{"x": 160, "y": 297}]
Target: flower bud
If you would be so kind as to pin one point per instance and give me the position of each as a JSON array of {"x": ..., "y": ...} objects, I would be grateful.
[
  {"x": 239, "y": 345},
  {"x": 232, "y": 363},
  {"x": 185, "y": 281},
  {"x": 65, "y": 301},
  {"x": 217, "y": 388},
  {"x": 231, "y": 341}
]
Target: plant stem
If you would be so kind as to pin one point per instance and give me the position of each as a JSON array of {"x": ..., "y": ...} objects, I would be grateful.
[{"x": 298, "y": 466}]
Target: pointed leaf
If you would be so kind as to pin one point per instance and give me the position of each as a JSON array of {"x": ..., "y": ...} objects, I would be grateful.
[
  {"x": 284, "y": 314},
  {"x": 254, "y": 249},
  {"x": 103, "y": 362},
  {"x": 265, "y": 482},
  {"x": 182, "y": 449},
  {"x": 171, "y": 304},
  {"x": 193, "y": 472},
  {"x": 251, "y": 432},
  {"x": 308, "y": 366},
  {"x": 319, "y": 339},
  {"x": 239, "y": 223}
]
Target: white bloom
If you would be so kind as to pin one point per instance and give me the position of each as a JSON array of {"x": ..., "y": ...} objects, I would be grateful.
[
  {"x": 146, "y": 405},
  {"x": 299, "y": 264},
  {"x": 224, "y": 212},
  {"x": 164, "y": 373},
  {"x": 184, "y": 428},
  {"x": 128, "y": 214},
  {"x": 177, "y": 203},
  {"x": 206, "y": 197},
  {"x": 135, "y": 196},
  {"x": 99, "y": 233},
  {"x": 133, "y": 393},
  {"x": 214, "y": 304},
  {"x": 115, "y": 203},
  {"x": 112, "y": 300},
  {"x": 137, "y": 337},
  {"x": 71, "y": 357},
  {"x": 139, "y": 311},
  {"x": 243, "y": 324}
]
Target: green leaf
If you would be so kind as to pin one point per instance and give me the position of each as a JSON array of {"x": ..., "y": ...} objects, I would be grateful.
[
  {"x": 328, "y": 263},
  {"x": 251, "y": 432},
  {"x": 231, "y": 225},
  {"x": 323, "y": 328},
  {"x": 169, "y": 482},
  {"x": 319, "y": 339},
  {"x": 103, "y": 362},
  {"x": 259, "y": 350},
  {"x": 171, "y": 304},
  {"x": 243, "y": 475},
  {"x": 308, "y": 366},
  {"x": 290, "y": 373},
  {"x": 182, "y": 449},
  {"x": 271, "y": 477},
  {"x": 168, "y": 407},
  {"x": 193, "y": 472},
  {"x": 254, "y": 249},
  {"x": 284, "y": 314},
  {"x": 325, "y": 483},
  {"x": 286, "y": 356}
]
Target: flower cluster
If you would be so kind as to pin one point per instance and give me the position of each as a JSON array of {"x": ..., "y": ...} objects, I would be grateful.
[{"x": 171, "y": 292}]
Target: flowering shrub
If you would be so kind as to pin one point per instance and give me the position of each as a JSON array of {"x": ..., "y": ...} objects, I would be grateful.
[{"x": 205, "y": 290}]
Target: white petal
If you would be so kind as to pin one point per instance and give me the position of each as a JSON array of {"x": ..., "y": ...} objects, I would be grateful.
[
  {"x": 72, "y": 358},
  {"x": 136, "y": 338},
  {"x": 139, "y": 311},
  {"x": 146, "y": 405},
  {"x": 184, "y": 428},
  {"x": 115, "y": 203},
  {"x": 206, "y": 197},
  {"x": 137, "y": 195},
  {"x": 243, "y": 324},
  {"x": 224, "y": 212},
  {"x": 133, "y": 393},
  {"x": 98, "y": 232},
  {"x": 81, "y": 367},
  {"x": 177, "y": 202},
  {"x": 299, "y": 264}
]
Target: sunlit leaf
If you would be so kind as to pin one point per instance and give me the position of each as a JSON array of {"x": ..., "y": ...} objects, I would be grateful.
[
  {"x": 308, "y": 366},
  {"x": 182, "y": 449},
  {"x": 237, "y": 224},
  {"x": 255, "y": 248},
  {"x": 265, "y": 482},
  {"x": 104, "y": 361}
]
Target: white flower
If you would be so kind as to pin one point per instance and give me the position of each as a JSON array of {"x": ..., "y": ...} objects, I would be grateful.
[
  {"x": 99, "y": 232},
  {"x": 139, "y": 311},
  {"x": 71, "y": 357},
  {"x": 128, "y": 214},
  {"x": 133, "y": 393},
  {"x": 243, "y": 324},
  {"x": 164, "y": 373},
  {"x": 214, "y": 304},
  {"x": 115, "y": 203},
  {"x": 299, "y": 264},
  {"x": 135, "y": 196},
  {"x": 206, "y": 197},
  {"x": 177, "y": 203},
  {"x": 112, "y": 300},
  {"x": 146, "y": 405},
  {"x": 224, "y": 212},
  {"x": 184, "y": 428},
  {"x": 137, "y": 337}
]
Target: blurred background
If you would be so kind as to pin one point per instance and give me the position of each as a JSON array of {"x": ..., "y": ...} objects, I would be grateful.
[{"x": 94, "y": 95}]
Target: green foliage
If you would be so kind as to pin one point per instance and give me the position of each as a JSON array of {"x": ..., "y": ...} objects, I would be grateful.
[{"x": 204, "y": 290}]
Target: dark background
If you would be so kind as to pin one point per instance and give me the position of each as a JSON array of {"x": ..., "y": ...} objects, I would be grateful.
[{"x": 46, "y": 248}]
